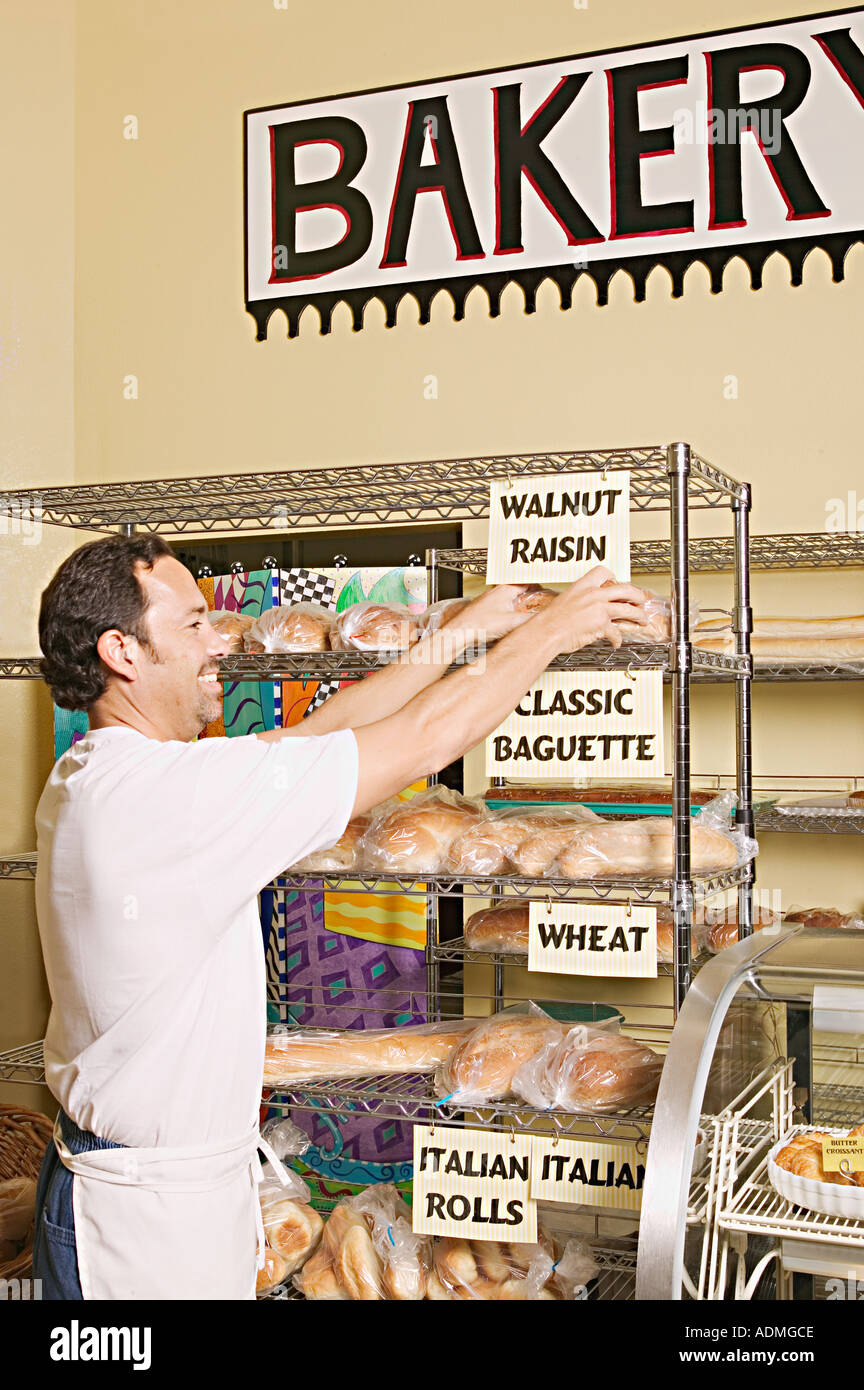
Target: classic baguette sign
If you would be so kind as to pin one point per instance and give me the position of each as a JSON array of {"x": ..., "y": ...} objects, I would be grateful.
[
  {"x": 583, "y": 724},
  {"x": 739, "y": 142}
]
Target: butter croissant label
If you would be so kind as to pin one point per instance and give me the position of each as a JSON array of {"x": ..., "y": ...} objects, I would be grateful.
[
  {"x": 569, "y": 938},
  {"x": 581, "y": 724},
  {"x": 558, "y": 526},
  {"x": 580, "y": 1170},
  {"x": 843, "y": 1153},
  {"x": 471, "y": 1183}
]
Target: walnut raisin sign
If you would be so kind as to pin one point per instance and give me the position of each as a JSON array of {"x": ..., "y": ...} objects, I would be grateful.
[{"x": 737, "y": 143}]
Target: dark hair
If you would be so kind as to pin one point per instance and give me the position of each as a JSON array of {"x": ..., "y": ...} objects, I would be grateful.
[{"x": 95, "y": 589}]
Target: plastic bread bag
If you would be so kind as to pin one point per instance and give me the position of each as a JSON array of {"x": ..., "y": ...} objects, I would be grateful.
[
  {"x": 645, "y": 847},
  {"x": 292, "y": 1228},
  {"x": 370, "y": 627},
  {"x": 405, "y": 1256},
  {"x": 293, "y": 1055},
  {"x": 17, "y": 1208},
  {"x": 658, "y": 627},
  {"x": 439, "y": 614},
  {"x": 825, "y": 917},
  {"x": 491, "y": 845},
  {"x": 345, "y": 854},
  {"x": 717, "y": 815},
  {"x": 356, "y": 1265},
  {"x": 666, "y": 933},
  {"x": 272, "y": 1273},
  {"x": 231, "y": 626},
  {"x": 591, "y": 1071},
  {"x": 482, "y": 1065},
  {"x": 414, "y": 837},
  {"x": 317, "y": 1279},
  {"x": 285, "y": 1138},
  {"x": 293, "y": 627},
  {"x": 502, "y": 1271}
]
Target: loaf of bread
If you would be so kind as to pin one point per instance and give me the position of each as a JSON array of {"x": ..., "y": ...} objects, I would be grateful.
[
  {"x": 592, "y": 1071},
  {"x": 721, "y": 932},
  {"x": 293, "y": 1229},
  {"x": 345, "y": 854},
  {"x": 533, "y": 599},
  {"x": 274, "y": 1271},
  {"x": 414, "y": 837},
  {"x": 369, "y": 627},
  {"x": 796, "y": 629},
  {"x": 231, "y": 626},
  {"x": 303, "y": 1054},
  {"x": 317, "y": 1280},
  {"x": 510, "y": 1271},
  {"x": 503, "y": 927},
  {"x": 638, "y": 848},
  {"x": 295, "y": 627},
  {"x": 666, "y": 935},
  {"x": 826, "y": 917},
  {"x": 439, "y": 614},
  {"x": 490, "y": 845},
  {"x": 482, "y": 1066},
  {"x": 806, "y": 650},
  {"x": 538, "y": 853}
]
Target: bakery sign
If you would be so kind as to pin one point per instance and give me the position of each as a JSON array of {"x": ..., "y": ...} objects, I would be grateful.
[
  {"x": 617, "y": 940},
  {"x": 734, "y": 143},
  {"x": 579, "y": 724}
]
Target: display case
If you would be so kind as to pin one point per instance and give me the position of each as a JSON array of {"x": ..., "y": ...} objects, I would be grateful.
[{"x": 768, "y": 1044}]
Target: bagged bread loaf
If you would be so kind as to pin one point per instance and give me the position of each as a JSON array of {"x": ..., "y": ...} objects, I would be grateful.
[
  {"x": 482, "y": 1066},
  {"x": 439, "y": 614},
  {"x": 291, "y": 1226},
  {"x": 345, "y": 854},
  {"x": 317, "y": 1279},
  {"x": 369, "y": 627},
  {"x": 414, "y": 837},
  {"x": 501, "y": 1271},
  {"x": 790, "y": 639},
  {"x": 231, "y": 626},
  {"x": 641, "y": 793},
  {"x": 666, "y": 934},
  {"x": 294, "y": 627},
  {"x": 658, "y": 621},
  {"x": 537, "y": 855},
  {"x": 273, "y": 1272},
  {"x": 490, "y": 845},
  {"x": 589, "y": 1070},
  {"x": 404, "y": 1255},
  {"x": 534, "y": 598},
  {"x": 796, "y": 629},
  {"x": 826, "y": 917},
  {"x": 503, "y": 927},
  {"x": 644, "y": 848},
  {"x": 303, "y": 1054}
]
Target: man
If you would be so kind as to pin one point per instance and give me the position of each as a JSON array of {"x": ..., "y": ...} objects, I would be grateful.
[{"x": 152, "y": 848}]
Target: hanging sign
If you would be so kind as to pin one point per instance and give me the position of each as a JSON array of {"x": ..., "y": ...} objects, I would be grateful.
[
  {"x": 557, "y": 527},
  {"x": 843, "y": 1153},
  {"x": 568, "y": 938},
  {"x": 738, "y": 142},
  {"x": 580, "y": 1170},
  {"x": 471, "y": 1183},
  {"x": 582, "y": 724}
]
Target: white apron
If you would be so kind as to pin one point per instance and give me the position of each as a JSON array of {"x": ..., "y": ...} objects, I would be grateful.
[{"x": 163, "y": 1223}]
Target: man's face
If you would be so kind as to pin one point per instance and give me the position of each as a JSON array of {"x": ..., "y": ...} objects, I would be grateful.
[{"x": 176, "y": 686}]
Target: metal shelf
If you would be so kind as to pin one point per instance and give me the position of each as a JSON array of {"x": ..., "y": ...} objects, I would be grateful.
[
  {"x": 826, "y": 822},
  {"x": 435, "y": 490},
  {"x": 18, "y": 865},
  {"x": 407, "y": 1098},
  {"x": 821, "y": 550},
  {"x": 23, "y": 1064},
  {"x": 350, "y": 665},
  {"x": 808, "y": 671},
  {"x": 759, "y": 1210},
  {"x": 487, "y": 886},
  {"x": 457, "y": 950}
]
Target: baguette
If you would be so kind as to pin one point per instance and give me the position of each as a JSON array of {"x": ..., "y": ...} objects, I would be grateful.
[
  {"x": 305, "y": 1055},
  {"x": 621, "y": 849}
]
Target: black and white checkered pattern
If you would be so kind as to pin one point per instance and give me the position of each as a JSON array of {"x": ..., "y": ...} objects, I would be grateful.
[
  {"x": 306, "y": 586},
  {"x": 325, "y": 689}
]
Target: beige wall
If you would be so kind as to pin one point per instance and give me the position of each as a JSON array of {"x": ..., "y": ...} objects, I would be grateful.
[{"x": 158, "y": 294}]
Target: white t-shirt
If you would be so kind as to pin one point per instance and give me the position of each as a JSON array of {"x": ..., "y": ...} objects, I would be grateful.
[{"x": 150, "y": 858}]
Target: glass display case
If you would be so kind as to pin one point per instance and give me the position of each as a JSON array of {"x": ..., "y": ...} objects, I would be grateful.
[{"x": 769, "y": 1045}]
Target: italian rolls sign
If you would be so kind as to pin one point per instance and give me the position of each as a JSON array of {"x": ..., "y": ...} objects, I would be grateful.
[{"x": 738, "y": 143}]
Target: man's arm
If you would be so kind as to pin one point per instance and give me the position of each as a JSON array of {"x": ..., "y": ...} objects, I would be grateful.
[
  {"x": 444, "y": 721},
  {"x": 374, "y": 697}
]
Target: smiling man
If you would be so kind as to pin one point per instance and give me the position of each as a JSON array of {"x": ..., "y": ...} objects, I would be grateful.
[{"x": 152, "y": 848}]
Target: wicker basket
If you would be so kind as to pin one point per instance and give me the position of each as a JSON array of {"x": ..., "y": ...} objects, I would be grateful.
[{"x": 24, "y": 1137}]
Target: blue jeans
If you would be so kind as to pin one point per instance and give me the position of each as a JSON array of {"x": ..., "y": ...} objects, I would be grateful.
[{"x": 55, "y": 1256}]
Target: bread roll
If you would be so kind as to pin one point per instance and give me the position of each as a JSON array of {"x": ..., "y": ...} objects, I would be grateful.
[
  {"x": 533, "y": 599},
  {"x": 625, "y": 849},
  {"x": 415, "y": 836},
  {"x": 348, "y": 1243},
  {"x": 231, "y": 626},
  {"x": 436, "y": 1292},
  {"x": 374, "y": 627},
  {"x": 482, "y": 1067},
  {"x": 723, "y": 933},
  {"x": 294, "y": 627},
  {"x": 500, "y": 928},
  {"x": 455, "y": 1264},
  {"x": 317, "y": 1280},
  {"x": 825, "y": 917},
  {"x": 666, "y": 936},
  {"x": 293, "y": 1229},
  {"x": 345, "y": 854},
  {"x": 305, "y": 1055},
  {"x": 491, "y": 844},
  {"x": 404, "y": 1281},
  {"x": 599, "y": 1073},
  {"x": 274, "y": 1271}
]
